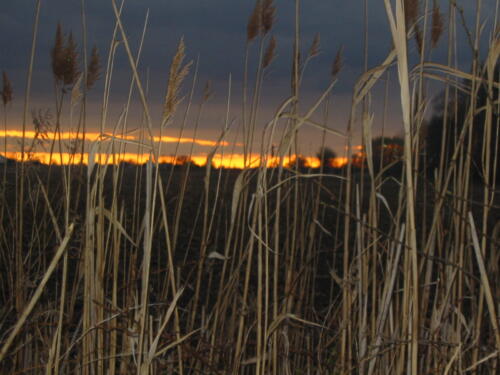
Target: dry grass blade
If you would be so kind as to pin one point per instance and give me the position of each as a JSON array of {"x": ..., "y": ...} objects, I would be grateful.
[
  {"x": 485, "y": 284},
  {"x": 387, "y": 296},
  {"x": 76, "y": 93},
  {"x": 449, "y": 70},
  {"x": 284, "y": 317},
  {"x": 367, "y": 134},
  {"x": 238, "y": 188},
  {"x": 315, "y": 124},
  {"x": 216, "y": 255},
  {"x": 154, "y": 345},
  {"x": 175, "y": 343},
  {"x": 398, "y": 30},
  {"x": 51, "y": 211},
  {"x": 92, "y": 159},
  {"x": 38, "y": 292},
  {"x": 419, "y": 39},
  {"x": 333, "y": 243},
  {"x": 371, "y": 77},
  {"x": 287, "y": 139},
  {"x": 493, "y": 355},
  {"x": 453, "y": 359},
  {"x": 132, "y": 63},
  {"x": 116, "y": 224}
]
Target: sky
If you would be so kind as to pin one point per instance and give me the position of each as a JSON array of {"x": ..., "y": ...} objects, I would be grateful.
[{"x": 214, "y": 32}]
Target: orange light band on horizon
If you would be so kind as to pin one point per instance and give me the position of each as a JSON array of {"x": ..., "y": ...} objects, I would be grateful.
[
  {"x": 89, "y": 136},
  {"x": 65, "y": 158},
  {"x": 219, "y": 160},
  {"x": 201, "y": 142}
]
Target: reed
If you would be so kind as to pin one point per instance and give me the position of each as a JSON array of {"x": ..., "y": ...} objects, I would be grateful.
[{"x": 382, "y": 266}]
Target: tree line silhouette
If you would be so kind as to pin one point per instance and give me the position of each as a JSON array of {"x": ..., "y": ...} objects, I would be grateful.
[{"x": 464, "y": 125}]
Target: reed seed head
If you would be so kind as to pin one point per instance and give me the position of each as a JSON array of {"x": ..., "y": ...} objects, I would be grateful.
[
  {"x": 64, "y": 58},
  {"x": 176, "y": 75},
  {"x": 268, "y": 16},
  {"x": 338, "y": 62},
  {"x": 57, "y": 55},
  {"x": 94, "y": 68},
  {"x": 71, "y": 71},
  {"x": 437, "y": 25},
  {"x": 6, "y": 90},
  {"x": 314, "y": 50},
  {"x": 254, "y": 22},
  {"x": 270, "y": 53},
  {"x": 207, "y": 91},
  {"x": 411, "y": 12}
]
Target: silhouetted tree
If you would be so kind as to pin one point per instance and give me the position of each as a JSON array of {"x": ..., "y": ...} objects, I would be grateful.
[
  {"x": 297, "y": 161},
  {"x": 326, "y": 157},
  {"x": 450, "y": 127},
  {"x": 388, "y": 154}
]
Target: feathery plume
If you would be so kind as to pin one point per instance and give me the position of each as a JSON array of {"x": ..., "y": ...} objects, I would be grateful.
[
  {"x": 254, "y": 22},
  {"x": 338, "y": 62},
  {"x": 70, "y": 61},
  {"x": 437, "y": 25},
  {"x": 268, "y": 16},
  {"x": 176, "y": 76},
  {"x": 94, "y": 68},
  {"x": 314, "y": 49},
  {"x": 411, "y": 12},
  {"x": 270, "y": 53},
  {"x": 6, "y": 90},
  {"x": 57, "y": 55},
  {"x": 207, "y": 91}
]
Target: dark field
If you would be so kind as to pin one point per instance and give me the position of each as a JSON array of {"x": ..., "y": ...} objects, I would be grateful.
[
  {"x": 281, "y": 262},
  {"x": 387, "y": 265}
]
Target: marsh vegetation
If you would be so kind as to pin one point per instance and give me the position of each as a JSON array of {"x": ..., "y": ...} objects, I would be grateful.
[{"x": 387, "y": 263}]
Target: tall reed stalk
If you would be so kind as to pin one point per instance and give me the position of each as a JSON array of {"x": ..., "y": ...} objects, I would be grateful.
[{"x": 278, "y": 267}]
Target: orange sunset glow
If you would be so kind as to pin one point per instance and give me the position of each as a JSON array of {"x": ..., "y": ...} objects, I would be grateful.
[
  {"x": 66, "y": 136},
  {"x": 224, "y": 160},
  {"x": 219, "y": 160}
]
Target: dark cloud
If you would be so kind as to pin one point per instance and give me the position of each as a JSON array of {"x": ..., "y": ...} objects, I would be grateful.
[{"x": 214, "y": 31}]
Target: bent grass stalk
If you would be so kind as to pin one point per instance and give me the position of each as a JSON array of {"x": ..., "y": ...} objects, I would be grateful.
[{"x": 182, "y": 269}]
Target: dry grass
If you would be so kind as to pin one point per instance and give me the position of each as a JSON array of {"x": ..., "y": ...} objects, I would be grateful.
[{"x": 149, "y": 269}]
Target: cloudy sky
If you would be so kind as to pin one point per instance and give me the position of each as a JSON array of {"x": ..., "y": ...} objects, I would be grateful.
[{"x": 215, "y": 32}]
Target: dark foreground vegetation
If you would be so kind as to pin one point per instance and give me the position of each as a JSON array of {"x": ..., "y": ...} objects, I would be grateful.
[
  {"x": 388, "y": 265},
  {"x": 202, "y": 228}
]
